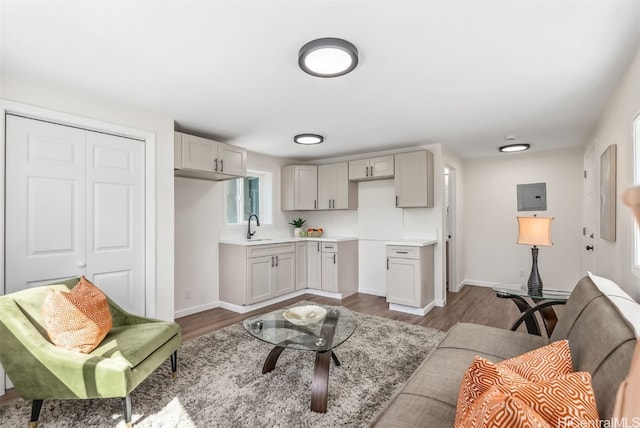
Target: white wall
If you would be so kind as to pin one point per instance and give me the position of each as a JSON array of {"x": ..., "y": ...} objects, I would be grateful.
[
  {"x": 615, "y": 259},
  {"x": 491, "y": 229},
  {"x": 200, "y": 225},
  {"x": 83, "y": 105}
]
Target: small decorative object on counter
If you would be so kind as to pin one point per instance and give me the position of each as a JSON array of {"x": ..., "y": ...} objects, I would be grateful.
[
  {"x": 297, "y": 224},
  {"x": 314, "y": 233}
]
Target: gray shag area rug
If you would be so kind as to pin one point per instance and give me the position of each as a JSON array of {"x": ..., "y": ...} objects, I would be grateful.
[{"x": 220, "y": 384}]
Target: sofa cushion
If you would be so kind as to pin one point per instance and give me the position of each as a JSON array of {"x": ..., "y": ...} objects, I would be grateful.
[
  {"x": 494, "y": 343},
  {"x": 77, "y": 320},
  {"x": 134, "y": 343}
]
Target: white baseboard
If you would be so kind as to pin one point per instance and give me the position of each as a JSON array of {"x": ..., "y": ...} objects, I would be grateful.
[
  {"x": 195, "y": 309},
  {"x": 372, "y": 291},
  {"x": 248, "y": 308},
  {"x": 479, "y": 283},
  {"x": 441, "y": 303},
  {"x": 459, "y": 287},
  {"x": 411, "y": 310}
]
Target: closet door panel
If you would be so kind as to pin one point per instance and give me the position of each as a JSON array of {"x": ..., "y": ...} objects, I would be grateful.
[
  {"x": 115, "y": 218},
  {"x": 45, "y": 194}
]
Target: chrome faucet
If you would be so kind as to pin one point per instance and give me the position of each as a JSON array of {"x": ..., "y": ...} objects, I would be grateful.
[{"x": 249, "y": 232}]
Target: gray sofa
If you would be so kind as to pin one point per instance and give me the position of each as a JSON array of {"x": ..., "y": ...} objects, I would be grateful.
[{"x": 600, "y": 321}]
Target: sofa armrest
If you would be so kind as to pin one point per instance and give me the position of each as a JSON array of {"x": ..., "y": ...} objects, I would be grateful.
[{"x": 39, "y": 369}]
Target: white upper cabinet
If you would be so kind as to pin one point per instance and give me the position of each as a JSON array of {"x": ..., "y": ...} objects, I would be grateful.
[
  {"x": 335, "y": 191},
  {"x": 198, "y": 157},
  {"x": 299, "y": 187},
  {"x": 371, "y": 168},
  {"x": 414, "y": 179}
]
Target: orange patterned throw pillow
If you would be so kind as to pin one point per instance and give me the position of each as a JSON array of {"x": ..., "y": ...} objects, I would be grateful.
[
  {"x": 566, "y": 401},
  {"x": 547, "y": 362},
  {"x": 481, "y": 375},
  {"x": 77, "y": 320},
  {"x": 544, "y": 363}
]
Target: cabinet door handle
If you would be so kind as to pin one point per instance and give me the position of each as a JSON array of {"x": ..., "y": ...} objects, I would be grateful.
[
  {"x": 402, "y": 252},
  {"x": 314, "y": 204},
  {"x": 318, "y": 246},
  {"x": 272, "y": 262},
  {"x": 366, "y": 169},
  {"x": 215, "y": 168},
  {"x": 334, "y": 258},
  {"x": 221, "y": 165},
  {"x": 276, "y": 260},
  {"x": 387, "y": 263},
  {"x": 396, "y": 201}
]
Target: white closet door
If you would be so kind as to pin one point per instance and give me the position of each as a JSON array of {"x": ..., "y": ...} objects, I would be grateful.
[
  {"x": 115, "y": 235},
  {"x": 75, "y": 206},
  {"x": 45, "y": 199}
]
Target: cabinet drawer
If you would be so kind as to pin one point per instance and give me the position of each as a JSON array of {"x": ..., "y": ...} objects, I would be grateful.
[
  {"x": 403, "y": 252},
  {"x": 270, "y": 249},
  {"x": 329, "y": 247}
]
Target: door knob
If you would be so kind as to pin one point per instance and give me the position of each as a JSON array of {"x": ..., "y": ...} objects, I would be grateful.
[
  {"x": 82, "y": 265},
  {"x": 589, "y": 247}
]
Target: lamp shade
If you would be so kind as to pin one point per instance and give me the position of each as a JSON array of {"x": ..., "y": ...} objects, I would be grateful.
[{"x": 535, "y": 231}]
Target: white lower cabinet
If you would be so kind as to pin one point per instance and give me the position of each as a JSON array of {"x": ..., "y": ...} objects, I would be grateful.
[
  {"x": 314, "y": 265},
  {"x": 254, "y": 273},
  {"x": 251, "y": 274},
  {"x": 410, "y": 280},
  {"x": 340, "y": 267},
  {"x": 330, "y": 268},
  {"x": 301, "y": 265}
]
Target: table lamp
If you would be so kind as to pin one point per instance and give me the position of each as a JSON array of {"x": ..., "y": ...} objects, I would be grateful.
[{"x": 534, "y": 231}]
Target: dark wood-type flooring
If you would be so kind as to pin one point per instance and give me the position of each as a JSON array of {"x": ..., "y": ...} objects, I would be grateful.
[{"x": 472, "y": 304}]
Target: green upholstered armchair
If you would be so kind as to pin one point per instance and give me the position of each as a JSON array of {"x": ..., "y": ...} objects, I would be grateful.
[{"x": 39, "y": 370}]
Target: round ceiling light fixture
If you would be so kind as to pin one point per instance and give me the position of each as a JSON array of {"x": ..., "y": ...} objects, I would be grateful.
[
  {"x": 510, "y": 148},
  {"x": 308, "y": 139},
  {"x": 513, "y": 147},
  {"x": 328, "y": 57}
]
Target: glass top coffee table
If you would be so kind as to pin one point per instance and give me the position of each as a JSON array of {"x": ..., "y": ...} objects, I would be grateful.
[{"x": 312, "y": 328}]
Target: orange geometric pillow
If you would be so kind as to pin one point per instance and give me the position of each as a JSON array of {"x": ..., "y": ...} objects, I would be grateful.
[
  {"x": 481, "y": 375},
  {"x": 77, "y": 320},
  {"x": 548, "y": 362},
  {"x": 567, "y": 400},
  {"x": 495, "y": 409}
]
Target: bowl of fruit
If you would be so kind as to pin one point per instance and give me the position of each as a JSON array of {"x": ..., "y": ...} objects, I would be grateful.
[{"x": 313, "y": 232}]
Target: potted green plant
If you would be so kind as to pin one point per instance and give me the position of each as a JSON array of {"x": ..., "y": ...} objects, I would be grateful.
[{"x": 297, "y": 225}]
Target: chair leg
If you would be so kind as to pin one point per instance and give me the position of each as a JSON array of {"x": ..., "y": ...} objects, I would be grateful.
[
  {"x": 126, "y": 410},
  {"x": 36, "y": 406},
  {"x": 174, "y": 364}
]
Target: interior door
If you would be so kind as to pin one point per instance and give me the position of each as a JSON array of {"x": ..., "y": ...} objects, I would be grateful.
[
  {"x": 74, "y": 206},
  {"x": 590, "y": 211}
]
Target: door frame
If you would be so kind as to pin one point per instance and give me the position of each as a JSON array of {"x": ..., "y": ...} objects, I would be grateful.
[
  {"x": 451, "y": 219},
  {"x": 148, "y": 137}
]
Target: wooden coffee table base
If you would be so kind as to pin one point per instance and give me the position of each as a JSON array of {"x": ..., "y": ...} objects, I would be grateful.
[{"x": 320, "y": 383}]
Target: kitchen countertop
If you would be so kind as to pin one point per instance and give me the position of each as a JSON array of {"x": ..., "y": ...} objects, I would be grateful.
[
  {"x": 413, "y": 243},
  {"x": 267, "y": 241}
]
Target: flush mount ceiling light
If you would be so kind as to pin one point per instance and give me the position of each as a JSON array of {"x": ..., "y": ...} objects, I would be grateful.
[
  {"x": 513, "y": 147},
  {"x": 328, "y": 57},
  {"x": 308, "y": 139}
]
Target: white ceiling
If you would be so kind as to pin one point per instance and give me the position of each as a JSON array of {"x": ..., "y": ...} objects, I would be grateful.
[{"x": 461, "y": 73}]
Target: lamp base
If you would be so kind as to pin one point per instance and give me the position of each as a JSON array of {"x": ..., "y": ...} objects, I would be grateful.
[{"x": 534, "y": 285}]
